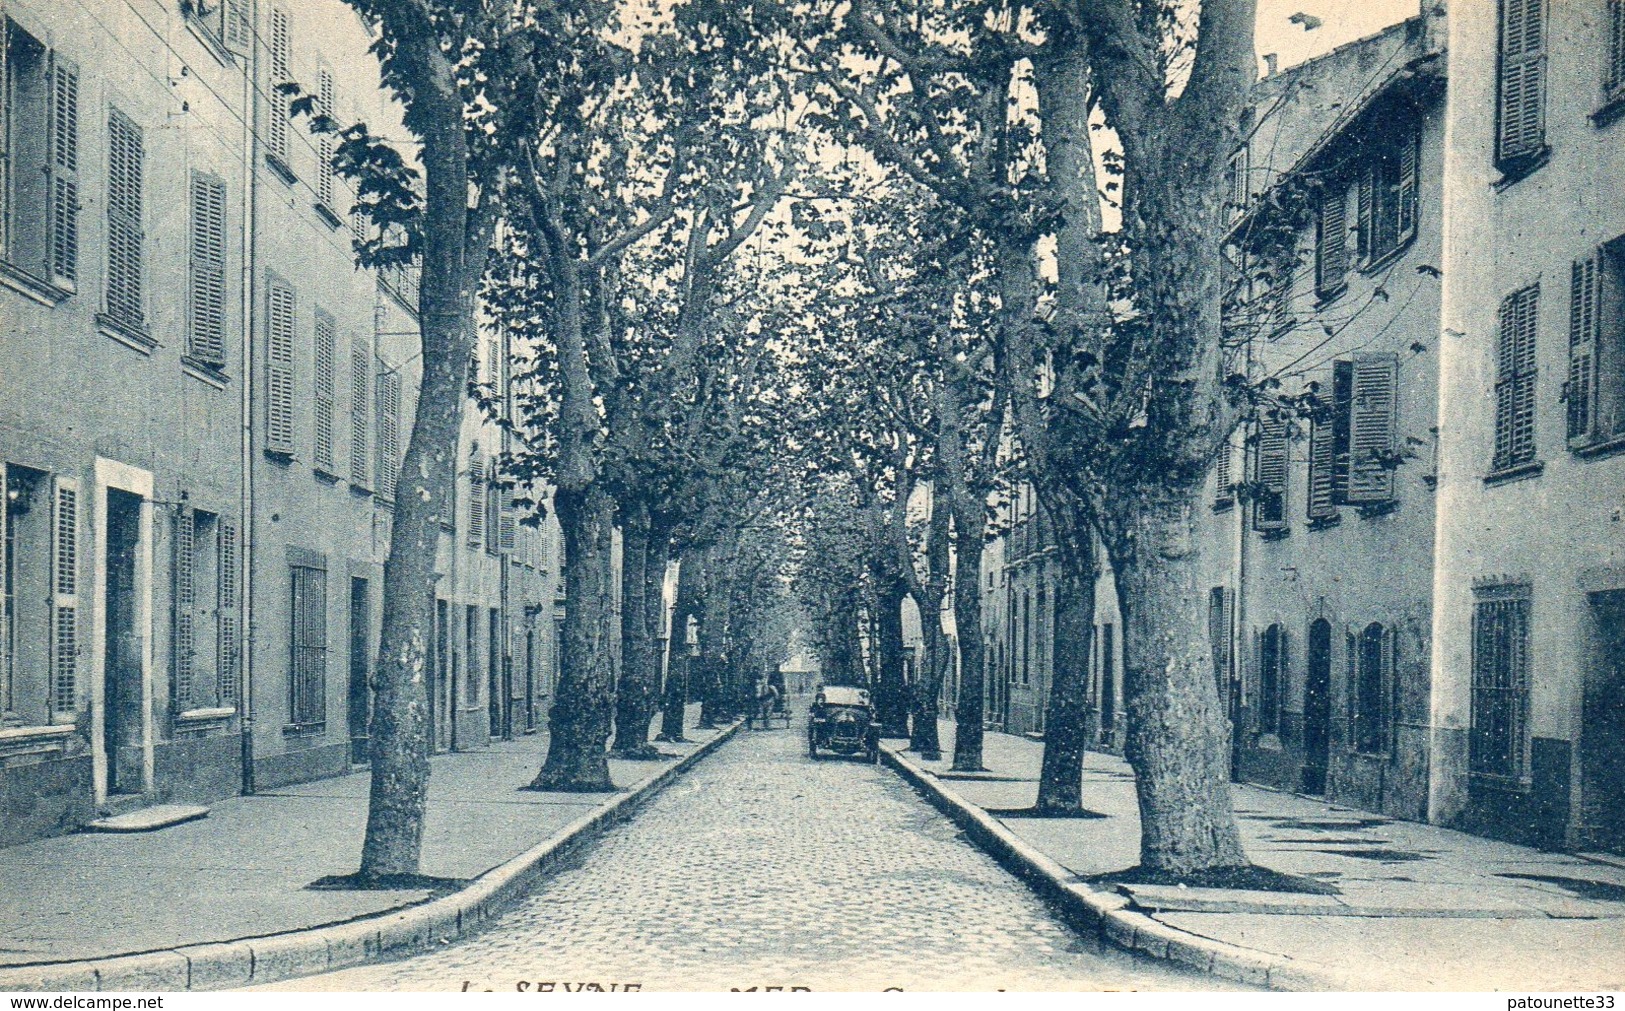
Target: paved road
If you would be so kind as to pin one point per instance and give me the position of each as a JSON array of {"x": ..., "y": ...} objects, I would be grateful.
[{"x": 764, "y": 868}]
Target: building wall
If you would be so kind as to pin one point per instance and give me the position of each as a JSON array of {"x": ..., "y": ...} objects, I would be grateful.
[
  {"x": 1556, "y": 527},
  {"x": 86, "y": 400}
]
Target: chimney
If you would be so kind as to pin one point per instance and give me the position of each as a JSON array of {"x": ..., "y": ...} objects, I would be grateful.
[{"x": 1272, "y": 64}]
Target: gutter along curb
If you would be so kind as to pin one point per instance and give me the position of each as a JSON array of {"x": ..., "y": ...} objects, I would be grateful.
[
  {"x": 253, "y": 961},
  {"x": 1107, "y": 914}
]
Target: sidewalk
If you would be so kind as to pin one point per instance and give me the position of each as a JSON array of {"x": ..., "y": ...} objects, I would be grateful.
[
  {"x": 1420, "y": 908},
  {"x": 242, "y": 871}
]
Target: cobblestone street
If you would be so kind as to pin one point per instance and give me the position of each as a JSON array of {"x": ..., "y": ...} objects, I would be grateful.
[{"x": 764, "y": 868}]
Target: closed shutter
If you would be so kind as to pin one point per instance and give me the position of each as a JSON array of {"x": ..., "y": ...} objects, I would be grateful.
[
  {"x": 507, "y": 531},
  {"x": 229, "y": 627},
  {"x": 65, "y": 597},
  {"x": 207, "y": 317},
  {"x": 124, "y": 232},
  {"x": 1269, "y": 511},
  {"x": 1409, "y": 153},
  {"x": 1223, "y": 480},
  {"x": 276, "y": 135},
  {"x": 1521, "y": 127},
  {"x": 389, "y": 428},
  {"x": 1584, "y": 301},
  {"x": 7, "y": 700},
  {"x": 239, "y": 28},
  {"x": 1322, "y": 466},
  {"x": 1515, "y": 380},
  {"x": 1371, "y": 428},
  {"x": 326, "y": 104},
  {"x": 1615, "y": 78},
  {"x": 1366, "y": 210},
  {"x": 360, "y": 412},
  {"x": 185, "y": 609},
  {"x": 1332, "y": 242},
  {"x": 476, "y": 502},
  {"x": 1342, "y": 412},
  {"x": 1390, "y": 681},
  {"x": 325, "y": 381},
  {"x": 279, "y": 368},
  {"x": 62, "y": 173}
]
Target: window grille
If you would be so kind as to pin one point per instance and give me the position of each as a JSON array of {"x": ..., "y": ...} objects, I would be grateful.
[
  {"x": 1499, "y": 739},
  {"x": 307, "y": 687}
]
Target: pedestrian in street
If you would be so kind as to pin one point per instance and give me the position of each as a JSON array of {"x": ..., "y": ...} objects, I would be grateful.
[{"x": 767, "y": 698}]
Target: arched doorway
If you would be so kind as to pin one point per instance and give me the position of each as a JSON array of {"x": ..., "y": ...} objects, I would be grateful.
[{"x": 1317, "y": 707}]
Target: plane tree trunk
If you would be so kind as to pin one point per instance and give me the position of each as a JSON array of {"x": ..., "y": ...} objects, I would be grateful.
[{"x": 640, "y": 662}]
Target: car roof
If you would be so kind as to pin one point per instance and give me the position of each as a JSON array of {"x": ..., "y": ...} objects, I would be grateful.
[{"x": 841, "y": 695}]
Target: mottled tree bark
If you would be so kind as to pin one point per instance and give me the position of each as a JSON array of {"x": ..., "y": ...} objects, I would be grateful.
[
  {"x": 1178, "y": 740},
  {"x": 640, "y": 671},
  {"x": 583, "y": 705},
  {"x": 680, "y": 669},
  {"x": 1060, "y": 777}
]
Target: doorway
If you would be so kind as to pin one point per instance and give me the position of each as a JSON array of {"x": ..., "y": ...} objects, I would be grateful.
[
  {"x": 1317, "y": 707},
  {"x": 122, "y": 646},
  {"x": 1602, "y": 730},
  {"x": 360, "y": 708}
]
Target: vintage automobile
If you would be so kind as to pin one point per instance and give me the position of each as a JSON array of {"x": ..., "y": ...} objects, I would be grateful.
[{"x": 843, "y": 721}]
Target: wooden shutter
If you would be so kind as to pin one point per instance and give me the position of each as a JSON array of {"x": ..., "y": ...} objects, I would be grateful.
[
  {"x": 184, "y": 609},
  {"x": 1223, "y": 480},
  {"x": 389, "y": 426},
  {"x": 229, "y": 627},
  {"x": 325, "y": 382},
  {"x": 1390, "y": 686},
  {"x": 1269, "y": 511},
  {"x": 507, "y": 531},
  {"x": 238, "y": 26},
  {"x": 1521, "y": 127},
  {"x": 326, "y": 105},
  {"x": 124, "y": 231},
  {"x": 276, "y": 133},
  {"x": 360, "y": 412},
  {"x": 1585, "y": 289},
  {"x": 1515, "y": 379},
  {"x": 65, "y": 597},
  {"x": 1332, "y": 241},
  {"x": 1322, "y": 466},
  {"x": 207, "y": 317},
  {"x": 1371, "y": 428},
  {"x": 1366, "y": 214},
  {"x": 476, "y": 502},
  {"x": 1615, "y": 77},
  {"x": 279, "y": 368},
  {"x": 62, "y": 173},
  {"x": 1409, "y": 155},
  {"x": 6, "y": 673}
]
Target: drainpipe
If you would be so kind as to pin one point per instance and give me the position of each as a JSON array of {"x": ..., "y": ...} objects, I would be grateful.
[{"x": 249, "y": 539}]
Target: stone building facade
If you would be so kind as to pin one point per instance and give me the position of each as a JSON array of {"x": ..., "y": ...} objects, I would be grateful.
[{"x": 202, "y": 406}]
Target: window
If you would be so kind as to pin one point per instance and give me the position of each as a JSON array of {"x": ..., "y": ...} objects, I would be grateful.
[
  {"x": 1614, "y": 77},
  {"x": 1498, "y": 741},
  {"x": 307, "y": 685},
  {"x": 1387, "y": 194},
  {"x": 279, "y": 46},
  {"x": 326, "y": 366},
  {"x": 204, "y": 647},
  {"x": 1373, "y": 381},
  {"x": 38, "y": 619},
  {"x": 1236, "y": 184},
  {"x": 360, "y": 412},
  {"x": 476, "y": 500},
  {"x": 326, "y": 146},
  {"x": 1371, "y": 668},
  {"x": 389, "y": 432},
  {"x": 39, "y": 158},
  {"x": 280, "y": 307},
  {"x": 1521, "y": 121},
  {"x": 1272, "y": 675},
  {"x": 1515, "y": 380},
  {"x": 1332, "y": 241},
  {"x": 1270, "y": 462},
  {"x": 1224, "y": 481},
  {"x": 228, "y": 637},
  {"x": 1595, "y": 391},
  {"x": 1221, "y": 611},
  {"x": 471, "y": 676},
  {"x": 226, "y": 21},
  {"x": 206, "y": 309},
  {"x": 125, "y": 238}
]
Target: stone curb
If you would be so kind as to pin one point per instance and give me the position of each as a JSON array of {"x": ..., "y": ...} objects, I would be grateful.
[
  {"x": 252, "y": 961},
  {"x": 1106, "y": 914}
]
